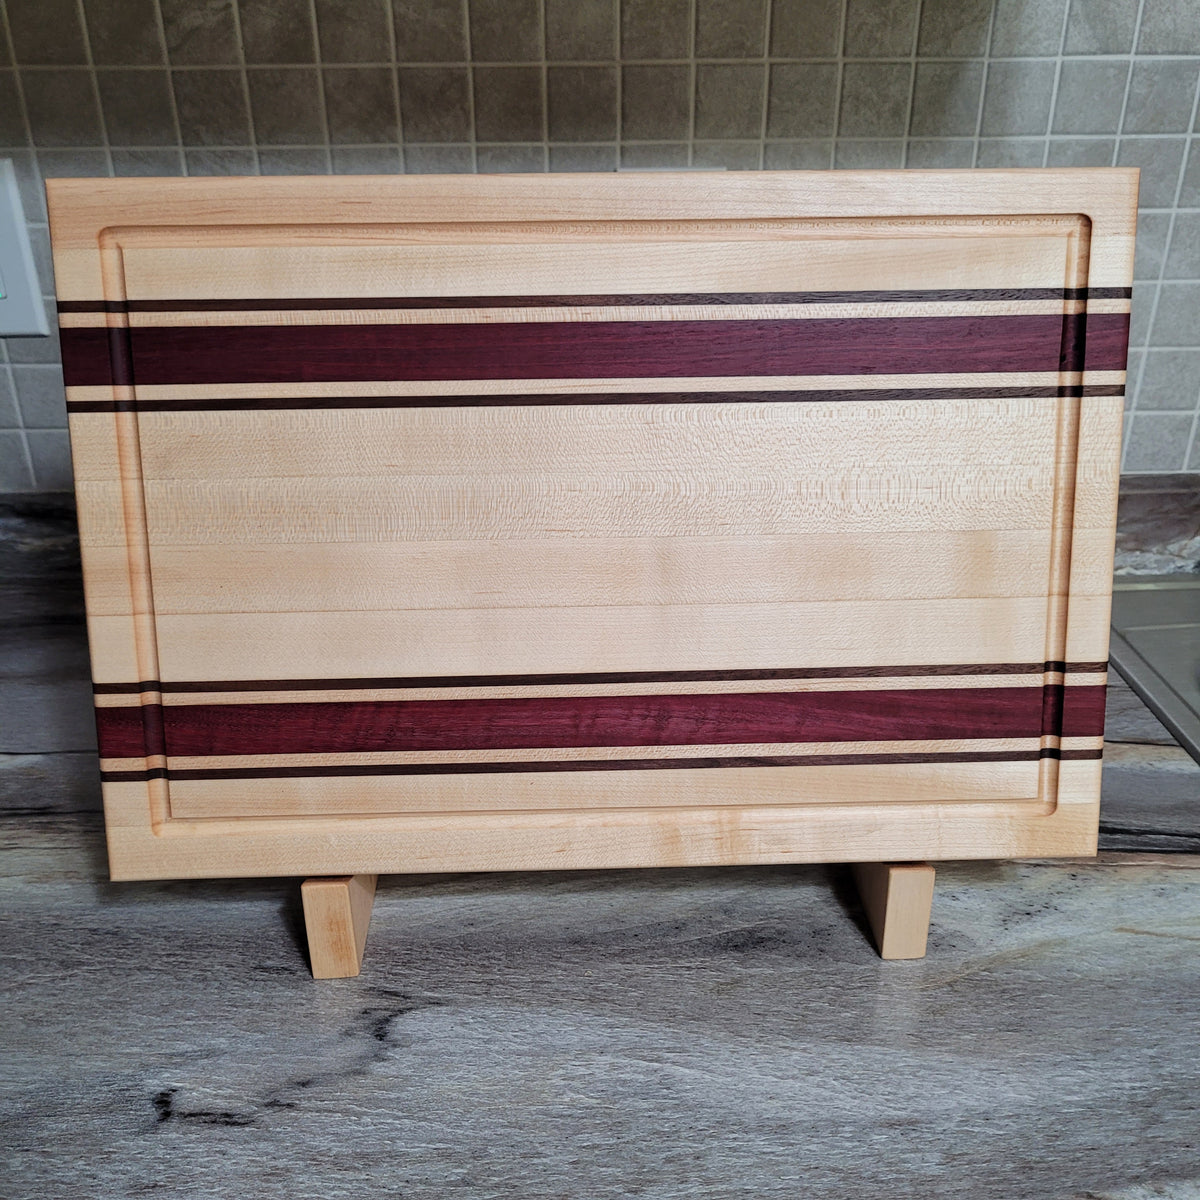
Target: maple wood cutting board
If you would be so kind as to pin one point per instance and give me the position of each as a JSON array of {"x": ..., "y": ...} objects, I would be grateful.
[{"x": 561, "y": 521}]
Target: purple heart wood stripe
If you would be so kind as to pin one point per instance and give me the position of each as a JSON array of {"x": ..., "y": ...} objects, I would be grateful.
[
  {"x": 274, "y": 354},
  {"x": 664, "y": 720}
]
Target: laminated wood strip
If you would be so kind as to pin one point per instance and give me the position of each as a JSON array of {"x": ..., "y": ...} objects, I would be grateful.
[
  {"x": 599, "y": 349},
  {"x": 308, "y": 727}
]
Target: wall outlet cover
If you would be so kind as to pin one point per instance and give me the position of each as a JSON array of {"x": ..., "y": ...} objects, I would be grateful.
[{"x": 22, "y": 313}]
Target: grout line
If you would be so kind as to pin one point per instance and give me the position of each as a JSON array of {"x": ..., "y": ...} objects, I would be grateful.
[
  {"x": 620, "y": 70},
  {"x": 95, "y": 80},
  {"x": 1137, "y": 29},
  {"x": 693, "y": 19},
  {"x": 394, "y": 67},
  {"x": 319, "y": 65},
  {"x": 764, "y": 59},
  {"x": 837, "y": 83},
  {"x": 470, "y": 65},
  {"x": 1058, "y": 65},
  {"x": 161, "y": 27},
  {"x": 912, "y": 83},
  {"x": 544, "y": 75},
  {"x": 241, "y": 66},
  {"x": 983, "y": 85}
]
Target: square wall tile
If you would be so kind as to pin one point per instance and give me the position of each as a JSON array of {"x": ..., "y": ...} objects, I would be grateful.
[
  {"x": 72, "y": 164},
  {"x": 1090, "y": 94},
  {"x": 124, "y": 34},
  {"x": 9, "y": 416},
  {"x": 43, "y": 350},
  {"x": 201, "y": 35},
  {"x": 874, "y": 99},
  {"x": 727, "y": 156},
  {"x": 430, "y": 31},
  {"x": 439, "y": 160},
  {"x": 16, "y": 475},
  {"x": 579, "y": 30},
  {"x": 221, "y": 162},
  {"x": 50, "y": 450},
  {"x": 1157, "y": 442},
  {"x": 954, "y": 28},
  {"x": 729, "y": 100},
  {"x": 354, "y": 31},
  {"x": 508, "y": 104},
  {"x": 946, "y": 99},
  {"x": 285, "y": 103},
  {"x": 62, "y": 108},
  {"x": 40, "y": 396},
  {"x": 1159, "y": 160},
  {"x": 12, "y": 120},
  {"x": 1011, "y": 152},
  {"x": 1081, "y": 152},
  {"x": 46, "y": 33},
  {"x": 1101, "y": 26},
  {"x": 1170, "y": 380},
  {"x": 803, "y": 100},
  {"x": 294, "y": 160},
  {"x": 278, "y": 31},
  {"x": 1168, "y": 27},
  {"x": 584, "y": 158},
  {"x": 940, "y": 153},
  {"x": 879, "y": 154},
  {"x": 1189, "y": 196},
  {"x": 212, "y": 108},
  {"x": 798, "y": 156},
  {"x": 506, "y": 31},
  {"x": 1151, "y": 244},
  {"x": 1027, "y": 27},
  {"x": 137, "y": 108},
  {"x": 435, "y": 104},
  {"x": 880, "y": 28},
  {"x": 1177, "y": 320},
  {"x": 148, "y": 162},
  {"x": 1142, "y": 308},
  {"x": 656, "y": 29},
  {"x": 661, "y": 156},
  {"x": 582, "y": 104},
  {"x": 1183, "y": 257},
  {"x": 656, "y": 102},
  {"x": 510, "y": 160},
  {"x": 1161, "y": 94},
  {"x": 360, "y": 105},
  {"x": 367, "y": 160},
  {"x": 806, "y": 28},
  {"x": 1017, "y": 98},
  {"x": 731, "y": 28}
]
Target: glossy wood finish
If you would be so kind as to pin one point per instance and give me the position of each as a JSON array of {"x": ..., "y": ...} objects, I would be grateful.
[{"x": 458, "y": 524}]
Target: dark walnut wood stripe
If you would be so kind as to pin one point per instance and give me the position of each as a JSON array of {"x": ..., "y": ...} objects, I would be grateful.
[
  {"x": 383, "y": 683},
  {"x": 672, "y": 719},
  {"x": 557, "y": 399},
  {"x": 594, "y": 300},
  {"x": 537, "y": 766},
  {"x": 215, "y": 355}
]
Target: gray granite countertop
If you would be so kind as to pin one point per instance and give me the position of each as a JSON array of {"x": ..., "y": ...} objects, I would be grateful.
[{"x": 658, "y": 1034}]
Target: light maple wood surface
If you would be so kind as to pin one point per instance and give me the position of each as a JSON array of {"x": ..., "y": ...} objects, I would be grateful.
[
  {"x": 337, "y": 913},
  {"x": 346, "y": 447},
  {"x": 897, "y": 899}
]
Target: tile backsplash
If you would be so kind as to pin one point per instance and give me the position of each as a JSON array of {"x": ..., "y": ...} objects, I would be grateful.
[{"x": 215, "y": 87}]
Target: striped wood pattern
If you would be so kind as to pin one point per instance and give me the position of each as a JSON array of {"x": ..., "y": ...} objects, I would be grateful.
[{"x": 481, "y": 523}]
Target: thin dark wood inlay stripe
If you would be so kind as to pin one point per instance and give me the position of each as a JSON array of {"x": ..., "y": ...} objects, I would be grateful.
[
  {"x": 586, "y": 677},
  {"x": 593, "y": 300},
  {"x": 664, "y": 719},
  {"x": 556, "y": 399},
  {"x": 623, "y": 764},
  {"x": 215, "y": 355}
]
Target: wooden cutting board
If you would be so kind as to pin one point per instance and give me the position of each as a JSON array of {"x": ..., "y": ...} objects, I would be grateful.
[{"x": 572, "y": 521}]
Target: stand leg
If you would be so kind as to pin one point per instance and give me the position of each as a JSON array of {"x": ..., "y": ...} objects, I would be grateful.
[
  {"x": 897, "y": 898},
  {"x": 337, "y": 912}
]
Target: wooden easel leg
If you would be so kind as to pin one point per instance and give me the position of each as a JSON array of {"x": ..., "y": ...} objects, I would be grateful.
[
  {"x": 897, "y": 898},
  {"x": 337, "y": 912}
]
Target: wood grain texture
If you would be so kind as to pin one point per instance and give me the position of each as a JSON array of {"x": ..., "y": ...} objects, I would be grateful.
[
  {"x": 470, "y": 524},
  {"x": 897, "y": 898},
  {"x": 337, "y": 912}
]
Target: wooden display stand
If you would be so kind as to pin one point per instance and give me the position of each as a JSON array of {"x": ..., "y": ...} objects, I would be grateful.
[{"x": 546, "y": 522}]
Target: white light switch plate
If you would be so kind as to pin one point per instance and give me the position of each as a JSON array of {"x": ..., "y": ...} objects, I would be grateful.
[{"x": 22, "y": 313}]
